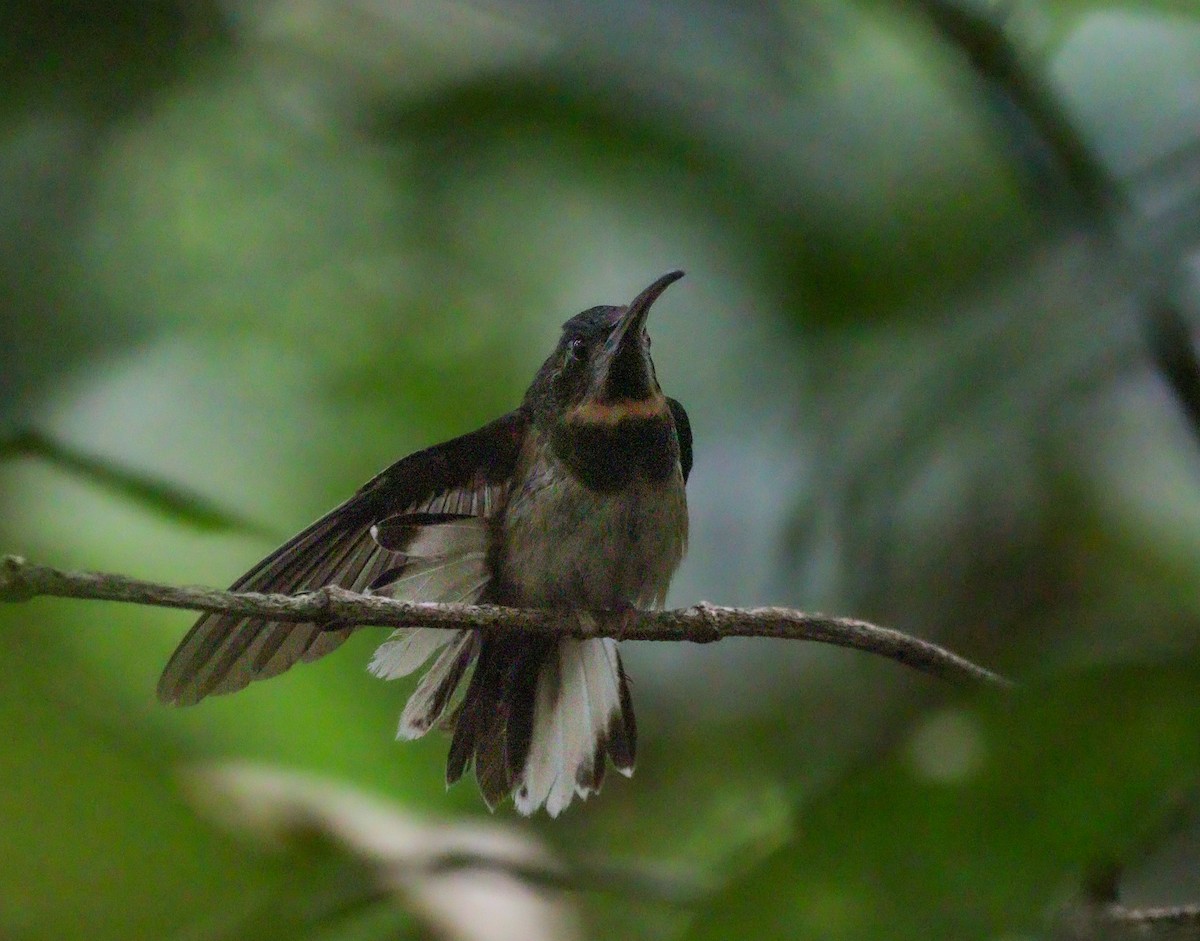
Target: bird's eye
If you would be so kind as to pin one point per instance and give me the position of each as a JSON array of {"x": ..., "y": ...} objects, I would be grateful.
[{"x": 575, "y": 348}]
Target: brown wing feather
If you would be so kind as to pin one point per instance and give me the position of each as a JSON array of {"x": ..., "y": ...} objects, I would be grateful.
[{"x": 223, "y": 653}]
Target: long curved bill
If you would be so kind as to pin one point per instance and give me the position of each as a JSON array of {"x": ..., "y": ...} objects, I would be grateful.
[{"x": 627, "y": 373}]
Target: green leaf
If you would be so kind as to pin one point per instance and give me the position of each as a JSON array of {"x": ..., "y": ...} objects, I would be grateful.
[
  {"x": 158, "y": 496},
  {"x": 985, "y": 830},
  {"x": 98, "y": 841}
]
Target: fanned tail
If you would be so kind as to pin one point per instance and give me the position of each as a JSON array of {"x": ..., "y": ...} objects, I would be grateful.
[{"x": 539, "y": 720}]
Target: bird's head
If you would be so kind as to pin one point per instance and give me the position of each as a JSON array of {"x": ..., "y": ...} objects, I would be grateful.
[{"x": 601, "y": 372}]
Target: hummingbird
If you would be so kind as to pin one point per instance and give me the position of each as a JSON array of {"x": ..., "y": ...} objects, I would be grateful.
[{"x": 575, "y": 501}]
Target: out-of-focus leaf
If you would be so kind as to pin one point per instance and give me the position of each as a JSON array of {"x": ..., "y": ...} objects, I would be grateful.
[
  {"x": 176, "y": 503},
  {"x": 984, "y": 821},
  {"x": 472, "y": 882},
  {"x": 98, "y": 843}
]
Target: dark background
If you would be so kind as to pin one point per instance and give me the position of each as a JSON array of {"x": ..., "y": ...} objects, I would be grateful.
[{"x": 934, "y": 340}]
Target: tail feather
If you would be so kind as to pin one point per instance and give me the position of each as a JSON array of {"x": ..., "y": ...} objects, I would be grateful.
[
  {"x": 547, "y": 757},
  {"x": 436, "y": 690},
  {"x": 493, "y": 726},
  {"x": 582, "y": 715},
  {"x": 539, "y": 719},
  {"x": 622, "y": 726},
  {"x": 433, "y": 694},
  {"x": 408, "y": 648}
]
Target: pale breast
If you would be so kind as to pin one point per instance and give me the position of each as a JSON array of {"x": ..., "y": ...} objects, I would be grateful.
[{"x": 565, "y": 545}]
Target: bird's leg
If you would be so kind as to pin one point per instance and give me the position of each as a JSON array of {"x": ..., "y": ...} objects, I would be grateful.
[{"x": 627, "y": 616}]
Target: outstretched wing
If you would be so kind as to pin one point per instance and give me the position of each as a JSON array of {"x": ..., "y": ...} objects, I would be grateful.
[{"x": 464, "y": 477}]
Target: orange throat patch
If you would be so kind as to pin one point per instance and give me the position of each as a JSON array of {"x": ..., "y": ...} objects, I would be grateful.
[{"x": 613, "y": 413}]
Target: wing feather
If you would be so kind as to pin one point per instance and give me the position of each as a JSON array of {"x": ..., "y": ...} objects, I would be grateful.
[
  {"x": 465, "y": 476},
  {"x": 683, "y": 432}
]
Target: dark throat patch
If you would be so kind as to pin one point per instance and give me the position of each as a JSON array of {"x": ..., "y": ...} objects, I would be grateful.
[{"x": 606, "y": 449}]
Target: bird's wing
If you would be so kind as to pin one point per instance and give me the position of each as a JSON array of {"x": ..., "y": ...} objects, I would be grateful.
[
  {"x": 463, "y": 477},
  {"x": 683, "y": 431}
]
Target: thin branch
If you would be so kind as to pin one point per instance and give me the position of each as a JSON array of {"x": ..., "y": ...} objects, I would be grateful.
[
  {"x": 701, "y": 623},
  {"x": 1117, "y": 923},
  {"x": 159, "y": 496},
  {"x": 1175, "y": 355},
  {"x": 982, "y": 32}
]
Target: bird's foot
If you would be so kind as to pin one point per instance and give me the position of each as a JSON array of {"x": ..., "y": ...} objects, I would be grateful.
[{"x": 627, "y": 617}]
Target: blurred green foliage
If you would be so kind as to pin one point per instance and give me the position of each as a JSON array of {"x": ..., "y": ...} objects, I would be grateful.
[{"x": 253, "y": 252}]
